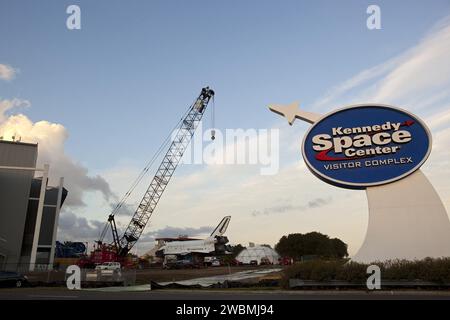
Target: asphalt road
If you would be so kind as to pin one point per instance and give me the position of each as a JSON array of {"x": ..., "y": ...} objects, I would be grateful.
[{"x": 65, "y": 294}]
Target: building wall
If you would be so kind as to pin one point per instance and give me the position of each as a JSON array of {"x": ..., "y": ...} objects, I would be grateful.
[
  {"x": 14, "y": 194},
  {"x": 47, "y": 223}
]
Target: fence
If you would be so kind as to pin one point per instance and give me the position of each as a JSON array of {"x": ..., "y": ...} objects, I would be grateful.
[{"x": 44, "y": 275}]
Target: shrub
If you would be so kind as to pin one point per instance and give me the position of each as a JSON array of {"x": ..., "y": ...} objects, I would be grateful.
[
  {"x": 352, "y": 272},
  {"x": 429, "y": 269}
]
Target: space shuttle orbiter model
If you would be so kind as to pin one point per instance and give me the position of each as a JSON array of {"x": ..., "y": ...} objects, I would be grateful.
[{"x": 215, "y": 244}]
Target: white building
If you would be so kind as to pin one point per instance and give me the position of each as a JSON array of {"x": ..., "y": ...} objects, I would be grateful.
[{"x": 258, "y": 253}]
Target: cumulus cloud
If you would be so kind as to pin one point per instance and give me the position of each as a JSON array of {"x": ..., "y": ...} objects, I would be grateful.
[
  {"x": 7, "y": 72},
  {"x": 51, "y": 138},
  {"x": 7, "y": 105},
  {"x": 126, "y": 209},
  {"x": 75, "y": 228}
]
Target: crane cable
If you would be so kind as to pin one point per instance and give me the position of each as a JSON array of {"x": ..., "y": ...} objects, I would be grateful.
[
  {"x": 143, "y": 173},
  {"x": 213, "y": 120}
]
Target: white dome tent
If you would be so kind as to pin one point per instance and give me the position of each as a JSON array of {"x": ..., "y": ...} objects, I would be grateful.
[{"x": 258, "y": 253}]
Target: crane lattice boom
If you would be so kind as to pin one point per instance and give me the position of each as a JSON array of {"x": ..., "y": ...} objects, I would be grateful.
[{"x": 162, "y": 177}]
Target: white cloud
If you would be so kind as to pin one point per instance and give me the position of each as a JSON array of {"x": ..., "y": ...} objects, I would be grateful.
[
  {"x": 439, "y": 120},
  {"x": 286, "y": 206},
  {"x": 51, "y": 138},
  {"x": 7, "y": 105},
  {"x": 7, "y": 72},
  {"x": 416, "y": 79},
  {"x": 354, "y": 82},
  {"x": 74, "y": 228},
  {"x": 424, "y": 72},
  {"x": 204, "y": 196},
  {"x": 172, "y": 232}
]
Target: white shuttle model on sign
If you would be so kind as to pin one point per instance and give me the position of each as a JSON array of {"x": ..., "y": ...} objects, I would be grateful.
[{"x": 215, "y": 244}]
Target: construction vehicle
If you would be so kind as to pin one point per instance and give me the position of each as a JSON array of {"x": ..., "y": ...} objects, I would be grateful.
[{"x": 120, "y": 247}]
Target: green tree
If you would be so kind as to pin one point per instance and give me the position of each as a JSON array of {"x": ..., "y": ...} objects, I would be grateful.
[{"x": 298, "y": 245}]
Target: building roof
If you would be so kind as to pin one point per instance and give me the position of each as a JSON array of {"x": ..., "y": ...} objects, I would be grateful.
[{"x": 18, "y": 142}]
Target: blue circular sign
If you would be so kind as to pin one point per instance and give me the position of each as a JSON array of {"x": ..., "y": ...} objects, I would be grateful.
[{"x": 366, "y": 145}]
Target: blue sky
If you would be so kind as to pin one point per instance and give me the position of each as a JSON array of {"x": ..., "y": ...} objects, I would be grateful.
[
  {"x": 122, "y": 81},
  {"x": 134, "y": 67}
]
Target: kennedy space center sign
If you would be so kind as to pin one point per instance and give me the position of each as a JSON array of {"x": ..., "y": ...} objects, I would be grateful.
[
  {"x": 379, "y": 148},
  {"x": 366, "y": 145}
]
